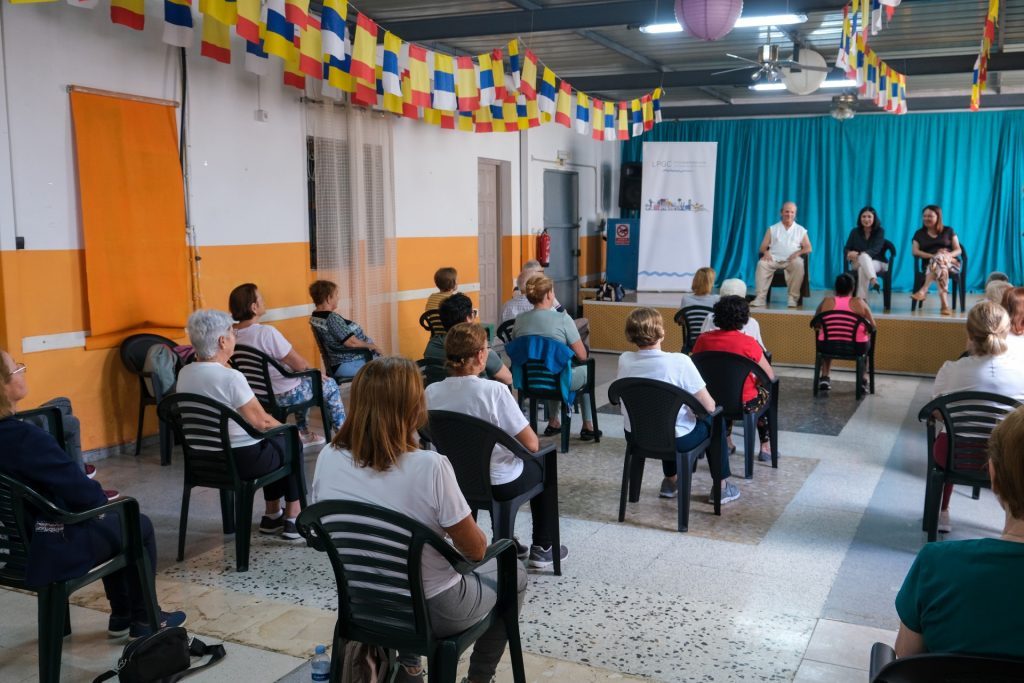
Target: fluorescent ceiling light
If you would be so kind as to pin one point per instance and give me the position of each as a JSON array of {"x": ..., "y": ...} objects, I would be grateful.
[
  {"x": 742, "y": 22},
  {"x": 768, "y": 86},
  {"x": 845, "y": 83}
]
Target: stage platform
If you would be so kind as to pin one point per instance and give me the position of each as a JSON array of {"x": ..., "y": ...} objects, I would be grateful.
[{"x": 917, "y": 342}]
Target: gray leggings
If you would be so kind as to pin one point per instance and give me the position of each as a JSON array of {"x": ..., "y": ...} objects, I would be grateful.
[{"x": 463, "y": 605}]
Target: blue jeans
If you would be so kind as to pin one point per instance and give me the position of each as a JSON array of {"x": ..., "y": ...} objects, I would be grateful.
[
  {"x": 304, "y": 392},
  {"x": 348, "y": 369}
]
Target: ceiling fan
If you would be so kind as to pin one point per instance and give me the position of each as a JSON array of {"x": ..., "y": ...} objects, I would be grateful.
[{"x": 769, "y": 66}]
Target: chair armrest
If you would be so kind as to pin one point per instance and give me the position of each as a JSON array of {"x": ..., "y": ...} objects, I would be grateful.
[
  {"x": 537, "y": 455},
  {"x": 465, "y": 566},
  {"x": 129, "y": 506},
  {"x": 286, "y": 372},
  {"x": 881, "y": 655}
]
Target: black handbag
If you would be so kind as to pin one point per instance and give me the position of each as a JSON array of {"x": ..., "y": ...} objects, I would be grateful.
[{"x": 163, "y": 657}]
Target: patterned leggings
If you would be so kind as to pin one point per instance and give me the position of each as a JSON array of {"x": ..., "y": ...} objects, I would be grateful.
[{"x": 304, "y": 392}]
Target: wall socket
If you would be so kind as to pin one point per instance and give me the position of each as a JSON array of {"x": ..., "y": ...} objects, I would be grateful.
[{"x": 262, "y": 115}]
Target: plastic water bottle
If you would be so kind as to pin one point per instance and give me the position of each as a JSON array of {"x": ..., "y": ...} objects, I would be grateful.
[{"x": 321, "y": 664}]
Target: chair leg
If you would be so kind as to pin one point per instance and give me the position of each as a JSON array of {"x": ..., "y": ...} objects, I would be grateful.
[
  {"x": 976, "y": 493},
  {"x": 684, "y": 481},
  {"x": 186, "y": 495},
  {"x": 566, "y": 427},
  {"x": 227, "y": 511},
  {"x": 773, "y": 427},
  {"x": 515, "y": 645},
  {"x": 441, "y": 667},
  {"x": 636, "y": 476},
  {"x": 859, "y": 391},
  {"x": 625, "y": 485},
  {"x": 750, "y": 442},
  {"x": 871, "y": 369},
  {"x": 166, "y": 443},
  {"x": 243, "y": 526},
  {"x": 337, "y": 654},
  {"x": 551, "y": 481},
  {"x": 145, "y": 573},
  {"x": 52, "y": 610},
  {"x": 817, "y": 373},
  {"x": 932, "y": 504},
  {"x": 142, "y": 417},
  {"x": 593, "y": 414}
]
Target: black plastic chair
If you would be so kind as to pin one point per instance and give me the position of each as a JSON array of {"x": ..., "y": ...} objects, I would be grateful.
[
  {"x": 504, "y": 331},
  {"x": 376, "y": 557},
  {"x": 779, "y": 280},
  {"x": 321, "y": 345},
  {"x": 431, "y": 322},
  {"x": 201, "y": 425},
  {"x": 691, "y": 319},
  {"x": 725, "y": 374},
  {"x": 957, "y": 281},
  {"x": 889, "y": 252},
  {"x": 48, "y": 418},
  {"x": 653, "y": 435},
  {"x": 840, "y": 329},
  {"x": 468, "y": 442},
  {"x": 968, "y": 418},
  {"x": 133, "y": 354},
  {"x": 942, "y": 668},
  {"x": 432, "y": 370},
  {"x": 255, "y": 365},
  {"x": 52, "y": 599}
]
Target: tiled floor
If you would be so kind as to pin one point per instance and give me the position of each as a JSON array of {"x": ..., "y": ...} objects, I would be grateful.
[{"x": 793, "y": 583}]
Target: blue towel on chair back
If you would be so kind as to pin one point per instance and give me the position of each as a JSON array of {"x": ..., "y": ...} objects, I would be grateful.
[{"x": 555, "y": 356}]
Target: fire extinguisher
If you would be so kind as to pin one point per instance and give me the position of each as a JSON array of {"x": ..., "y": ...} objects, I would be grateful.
[{"x": 544, "y": 248}]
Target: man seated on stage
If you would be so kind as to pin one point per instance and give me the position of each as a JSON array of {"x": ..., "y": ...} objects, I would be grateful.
[{"x": 783, "y": 246}]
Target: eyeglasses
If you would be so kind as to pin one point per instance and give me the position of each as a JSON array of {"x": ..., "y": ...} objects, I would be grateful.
[{"x": 19, "y": 367}]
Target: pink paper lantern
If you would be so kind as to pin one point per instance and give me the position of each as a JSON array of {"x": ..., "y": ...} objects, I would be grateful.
[{"x": 708, "y": 19}]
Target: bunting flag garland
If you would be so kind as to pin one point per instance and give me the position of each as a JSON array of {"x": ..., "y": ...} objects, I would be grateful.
[
  {"x": 390, "y": 74},
  {"x": 178, "y": 30},
  {"x": 528, "y": 79},
  {"x": 336, "y": 48},
  {"x": 858, "y": 66},
  {"x": 563, "y": 105},
  {"x": 297, "y": 12},
  {"x": 636, "y": 112},
  {"x": 582, "y": 113},
  {"x": 546, "y": 94},
  {"x": 464, "y": 121},
  {"x": 498, "y": 73},
  {"x": 364, "y": 50},
  {"x": 843, "y": 56},
  {"x": 597, "y": 119},
  {"x": 444, "y": 83},
  {"x": 279, "y": 36},
  {"x": 482, "y": 121},
  {"x": 874, "y": 78},
  {"x": 84, "y": 4},
  {"x": 623, "y": 125},
  {"x": 293, "y": 75},
  {"x": 224, "y": 11},
  {"x": 467, "y": 94},
  {"x": 657, "y": 104},
  {"x": 130, "y": 13},
  {"x": 216, "y": 42},
  {"x": 256, "y": 60},
  {"x": 610, "y": 129},
  {"x": 311, "y": 51},
  {"x": 647, "y": 112},
  {"x": 980, "y": 79},
  {"x": 409, "y": 110},
  {"x": 513, "y": 62},
  {"x": 485, "y": 80},
  {"x": 247, "y": 22},
  {"x": 419, "y": 76}
]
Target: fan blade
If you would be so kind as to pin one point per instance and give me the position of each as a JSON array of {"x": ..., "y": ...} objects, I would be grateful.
[
  {"x": 743, "y": 59},
  {"x": 728, "y": 71}
]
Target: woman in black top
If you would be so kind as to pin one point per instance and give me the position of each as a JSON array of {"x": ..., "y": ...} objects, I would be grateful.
[
  {"x": 865, "y": 249},
  {"x": 938, "y": 245}
]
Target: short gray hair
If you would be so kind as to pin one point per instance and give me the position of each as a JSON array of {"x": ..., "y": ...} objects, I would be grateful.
[
  {"x": 528, "y": 272},
  {"x": 205, "y": 328},
  {"x": 994, "y": 291},
  {"x": 733, "y": 287}
]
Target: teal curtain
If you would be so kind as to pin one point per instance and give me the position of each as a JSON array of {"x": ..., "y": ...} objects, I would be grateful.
[{"x": 970, "y": 164}]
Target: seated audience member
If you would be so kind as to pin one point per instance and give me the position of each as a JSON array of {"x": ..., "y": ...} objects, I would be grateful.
[
  {"x": 464, "y": 392},
  {"x": 964, "y": 596},
  {"x": 338, "y": 335},
  {"x": 446, "y": 280},
  {"x": 844, "y": 301},
  {"x": 458, "y": 308},
  {"x": 783, "y": 246},
  {"x": 731, "y": 314},
  {"x": 247, "y": 307},
  {"x": 995, "y": 290},
  {"x": 519, "y": 303},
  {"x": 646, "y": 328},
  {"x": 938, "y": 245},
  {"x": 545, "y": 321},
  {"x": 703, "y": 284},
  {"x": 865, "y": 251},
  {"x": 1013, "y": 302},
  {"x": 735, "y": 287},
  {"x": 988, "y": 367},
  {"x": 213, "y": 335},
  {"x": 376, "y": 459},
  {"x": 996, "y": 276},
  {"x": 56, "y": 552}
]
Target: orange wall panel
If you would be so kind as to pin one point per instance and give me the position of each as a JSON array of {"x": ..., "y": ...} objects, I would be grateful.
[
  {"x": 281, "y": 271},
  {"x": 44, "y": 293},
  {"x": 420, "y": 257}
]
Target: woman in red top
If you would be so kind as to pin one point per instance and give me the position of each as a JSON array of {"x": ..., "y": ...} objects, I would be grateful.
[{"x": 730, "y": 315}]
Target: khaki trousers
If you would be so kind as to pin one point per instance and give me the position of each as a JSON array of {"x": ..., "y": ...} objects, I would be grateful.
[{"x": 794, "y": 271}]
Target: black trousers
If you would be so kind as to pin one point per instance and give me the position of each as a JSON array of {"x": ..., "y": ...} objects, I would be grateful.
[
  {"x": 542, "y": 506},
  {"x": 124, "y": 592},
  {"x": 266, "y": 456}
]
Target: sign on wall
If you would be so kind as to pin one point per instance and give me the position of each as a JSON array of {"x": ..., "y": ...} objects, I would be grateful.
[{"x": 676, "y": 212}]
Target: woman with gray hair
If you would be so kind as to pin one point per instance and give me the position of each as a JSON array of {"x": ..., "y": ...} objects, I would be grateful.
[{"x": 213, "y": 336}]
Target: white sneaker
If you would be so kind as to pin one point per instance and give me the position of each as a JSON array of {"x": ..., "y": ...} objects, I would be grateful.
[
  {"x": 312, "y": 438},
  {"x": 944, "y": 526},
  {"x": 757, "y": 303}
]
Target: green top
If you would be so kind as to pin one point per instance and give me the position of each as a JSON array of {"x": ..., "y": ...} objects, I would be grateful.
[
  {"x": 547, "y": 322},
  {"x": 966, "y": 597},
  {"x": 435, "y": 350}
]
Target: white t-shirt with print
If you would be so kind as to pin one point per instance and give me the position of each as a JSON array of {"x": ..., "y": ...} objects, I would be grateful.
[
  {"x": 421, "y": 485},
  {"x": 222, "y": 384},
  {"x": 489, "y": 401},
  {"x": 675, "y": 368},
  {"x": 270, "y": 341}
]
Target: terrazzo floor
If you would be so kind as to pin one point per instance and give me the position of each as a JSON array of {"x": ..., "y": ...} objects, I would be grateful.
[{"x": 793, "y": 582}]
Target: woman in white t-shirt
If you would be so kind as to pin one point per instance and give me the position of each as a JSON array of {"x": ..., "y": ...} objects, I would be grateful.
[
  {"x": 212, "y": 334},
  {"x": 987, "y": 367},
  {"x": 464, "y": 392},
  {"x": 375, "y": 458},
  {"x": 247, "y": 307},
  {"x": 646, "y": 328}
]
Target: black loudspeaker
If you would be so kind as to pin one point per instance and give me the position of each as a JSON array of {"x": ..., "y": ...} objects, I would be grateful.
[{"x": 630, "y": 184}]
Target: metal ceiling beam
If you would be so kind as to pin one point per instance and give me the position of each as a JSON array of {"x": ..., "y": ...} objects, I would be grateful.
[
  {"x": 798, "y": 108},
  {"x": 573, "y": 17},
  {"x": 913, "y": 66}
]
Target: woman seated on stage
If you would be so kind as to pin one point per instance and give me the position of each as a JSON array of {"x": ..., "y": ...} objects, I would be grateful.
[
  {"x": 865, "y": 251},
  {"x": 646, "y": 328},
  {"x": 212, "y": 334},
  {"x": 703, "y": 284},
  {"x": 544, "y": 321},
  {"x": 939, "y": 246},
  {"x": 337, "y": 335},
  {"x": 57, "y": 552},
  {"x": 463, "y": 391},
  {"x": 964, "y": 596},
  {"x": 247, "y": 307},
  {"x": 988, "y": 367},
  {"x": 1013, "y": 302},
  {"x": 731, "y": 314},
  {"x": 376, "y": 459},
  {"x": 844, "y": 301}
]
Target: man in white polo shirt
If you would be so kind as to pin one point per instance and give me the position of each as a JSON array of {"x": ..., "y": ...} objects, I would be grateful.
[{"x": 783, "y": 246}]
